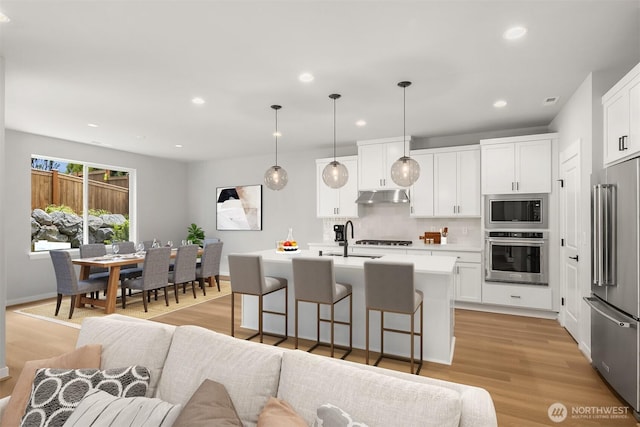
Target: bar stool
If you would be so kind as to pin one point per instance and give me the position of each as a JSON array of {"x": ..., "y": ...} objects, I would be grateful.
[
  {"x": 314, "y": 281},
  {"x": 389, "y": 287},
  {"x": 247, "y": 277}
]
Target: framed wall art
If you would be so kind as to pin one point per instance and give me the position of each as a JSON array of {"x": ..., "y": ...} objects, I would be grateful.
[{"x": 239, "y": 208}]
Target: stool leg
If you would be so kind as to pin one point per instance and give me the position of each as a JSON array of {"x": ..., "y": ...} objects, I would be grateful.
[
  {"x": 260, "y": 316},
  {"x": 318, "y": 322},
  {"x": 381, "y": 332},
  {"x": 296, "y": 344},
  {"x": 286, "y": 311},
  {"x": 412, "y": 341},
  {"x": 233, "y": 305},
  {"x": 332, "y": 327},
  {"x": 351, "y": 322},
  {"x": 421, "y": 333},
  {"x": 367, "y": 336}
]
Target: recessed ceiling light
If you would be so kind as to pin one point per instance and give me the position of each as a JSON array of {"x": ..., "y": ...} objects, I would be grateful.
[
  {"x": 514, "y": 33},
  {"x": 92, "y": 125},
  {"x": 197, "y": 100},
  {"x": 278, "y": 134},
  {"x": 306, "y": 77},
  {"x": 4, "y": 18},
  {"x": 500, "y": 103},
  {"x": 178, "y": 145},
  {"x": 361, "y": 123},
  {"x": 552, "y": 100}
]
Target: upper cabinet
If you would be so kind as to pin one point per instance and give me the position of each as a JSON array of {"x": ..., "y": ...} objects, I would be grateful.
[
  {"x": 375, "y": 158},
  {"x": 421, "y": 192},
  {"x": 519, "y": 164},
  {"x": 621, "y": 106},
  {"x": 449, "y": 183},
  {"x": 337, "y": 202}
]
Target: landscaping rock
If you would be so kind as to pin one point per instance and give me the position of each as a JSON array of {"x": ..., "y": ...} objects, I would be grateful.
[
  {"x": 103, "y": 234},
  {"x": 35, "y": 227},
  {"x": 41, "y": 217},
  {"x": 51, "y": 234},
  {"x": 95, "y": 223},
  {"x": 113, "y": 219},
  {"x": 68, "y": 224}
]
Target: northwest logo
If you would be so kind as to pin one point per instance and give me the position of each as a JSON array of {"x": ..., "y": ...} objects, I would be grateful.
[{"x": 557, "y": 412}]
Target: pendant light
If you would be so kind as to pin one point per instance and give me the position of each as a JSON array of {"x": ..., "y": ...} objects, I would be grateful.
[
  {"x": 335, "y": 174},
  {"x": 405, "y": 171},
  {"x": 275, "y": 178}
]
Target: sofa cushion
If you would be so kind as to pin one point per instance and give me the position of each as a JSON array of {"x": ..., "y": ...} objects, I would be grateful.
[
  {"x": 308, "y": 381},
  {"x": 57, "y": 392},
  {"x": 278, "y": 413},
  {"x": 83, "y": 357},
  {"x": 101, "y": 409},
  {"x": 249, "y": 371},
  {"x": 210, "y": 406},
  {"x": 128, "y": 343}
]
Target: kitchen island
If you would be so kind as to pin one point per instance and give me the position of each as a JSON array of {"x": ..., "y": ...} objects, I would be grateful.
[{"x": 433, "y": 276}]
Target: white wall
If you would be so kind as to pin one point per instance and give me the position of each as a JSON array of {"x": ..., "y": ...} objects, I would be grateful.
[
  {"x": 162, "y": 210},
  {"x": 3, "y": 270},
  {"x": 582, "y": 118}
]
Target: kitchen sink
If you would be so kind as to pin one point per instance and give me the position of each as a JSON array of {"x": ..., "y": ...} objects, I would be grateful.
[{"x": 353, "y": 256}]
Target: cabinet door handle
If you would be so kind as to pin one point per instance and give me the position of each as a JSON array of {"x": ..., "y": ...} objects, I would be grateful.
[
  {"x": 620, "y": 144},
  {"x": 624, "y": 140},
  {"x": 454, "y": 208},
  {"x": 576, "y": 258},
  {"x": 513, "y": 187},
  {"x": 515, "y": 296},
  {"x": 517, "y": 185},
  {"x": 338, "y": 210}
]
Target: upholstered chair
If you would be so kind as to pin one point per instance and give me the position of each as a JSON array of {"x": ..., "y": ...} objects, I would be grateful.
[
  {"x": 184, "y": 269},
  {"x": 209, "y": 268},
  {"x": 155, "y": 273}
]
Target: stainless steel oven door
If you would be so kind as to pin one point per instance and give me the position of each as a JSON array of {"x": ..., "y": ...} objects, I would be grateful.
[{"x": 516, "y": 260}]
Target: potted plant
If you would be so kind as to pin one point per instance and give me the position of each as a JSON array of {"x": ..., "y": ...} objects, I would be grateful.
[{"x": 195, "y": 234}]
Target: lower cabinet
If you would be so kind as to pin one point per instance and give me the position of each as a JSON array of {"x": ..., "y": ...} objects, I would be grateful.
[
  {"x": 524, "y": 296},
  {"x": 468, "y": 282}
]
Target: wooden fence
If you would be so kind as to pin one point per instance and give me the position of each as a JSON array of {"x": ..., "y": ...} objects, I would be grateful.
[{"x": 53, "y": 188}]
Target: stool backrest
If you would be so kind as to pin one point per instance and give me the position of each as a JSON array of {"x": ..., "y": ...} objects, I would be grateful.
[
  {"x": 246, "y": 274},
  {"x": 389, "y": 286},
  {"x": 314, "y": 279}
]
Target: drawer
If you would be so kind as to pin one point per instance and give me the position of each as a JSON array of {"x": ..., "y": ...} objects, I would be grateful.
[
  {"x": 529, "y": 296},
  {"x": 419, "y": 252},
  {"x": 462, "y": 256},
  {"x": 377, "y": 251}
]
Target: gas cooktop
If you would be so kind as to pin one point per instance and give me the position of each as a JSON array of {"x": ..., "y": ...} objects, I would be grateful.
[{"x": 384, "y": 242}]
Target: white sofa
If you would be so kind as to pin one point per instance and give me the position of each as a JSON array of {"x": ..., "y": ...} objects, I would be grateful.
[{"x": 180, "y": 358}]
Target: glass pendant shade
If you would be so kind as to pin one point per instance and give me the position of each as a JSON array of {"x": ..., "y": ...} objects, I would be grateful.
[
  {"x": 275, "y": 178},
  {"x": 335, "y": 174},
  {"x": 405, "y": 171}
]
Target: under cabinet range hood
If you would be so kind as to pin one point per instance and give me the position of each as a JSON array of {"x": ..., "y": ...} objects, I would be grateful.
[{"x": 383, "y": 196}]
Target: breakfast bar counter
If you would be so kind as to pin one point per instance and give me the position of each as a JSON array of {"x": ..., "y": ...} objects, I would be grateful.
[{"x": 433, "y": 275}]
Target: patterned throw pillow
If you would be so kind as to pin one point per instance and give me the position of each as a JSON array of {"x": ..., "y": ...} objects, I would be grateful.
[
  {"x": 99, "y": 409},
  {"x": 329, "y": 415},
  {"x": 57, "y": 392}
]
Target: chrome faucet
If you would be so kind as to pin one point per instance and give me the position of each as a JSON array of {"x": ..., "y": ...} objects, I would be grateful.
[{"x": 346, "y": 237}]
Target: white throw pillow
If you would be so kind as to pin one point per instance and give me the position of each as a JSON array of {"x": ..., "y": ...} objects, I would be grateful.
[{"x": 100, "y": 409}]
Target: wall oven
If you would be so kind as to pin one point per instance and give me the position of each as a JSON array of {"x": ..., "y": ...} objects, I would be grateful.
[
  {"x": 524, "y": 211},
  {"x": 517, "y": 257}
]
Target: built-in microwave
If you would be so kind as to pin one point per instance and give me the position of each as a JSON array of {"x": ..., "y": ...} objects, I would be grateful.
[{"x": 523, "y": 211}]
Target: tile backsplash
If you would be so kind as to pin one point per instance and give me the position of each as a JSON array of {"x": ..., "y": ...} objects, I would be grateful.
[{"x": 392, "y": 222}]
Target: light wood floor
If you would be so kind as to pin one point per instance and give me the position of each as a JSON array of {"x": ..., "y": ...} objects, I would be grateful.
[{"x": 525, "y": 363}]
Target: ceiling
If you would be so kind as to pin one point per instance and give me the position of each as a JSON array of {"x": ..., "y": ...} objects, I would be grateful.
[{"x": 132, "y": 68}]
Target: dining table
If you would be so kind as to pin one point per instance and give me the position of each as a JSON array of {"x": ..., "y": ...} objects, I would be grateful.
[{"x": 113, "y": 262}]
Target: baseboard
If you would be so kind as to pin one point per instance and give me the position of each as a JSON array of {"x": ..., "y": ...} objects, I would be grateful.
[{"x": 514, "y": 311}]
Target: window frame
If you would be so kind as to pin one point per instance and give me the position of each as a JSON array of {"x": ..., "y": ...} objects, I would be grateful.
[{"x": 133, "y": 211}]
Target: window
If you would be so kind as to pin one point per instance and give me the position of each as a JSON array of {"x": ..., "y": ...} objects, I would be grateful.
[{"x": 76, "y": 202}]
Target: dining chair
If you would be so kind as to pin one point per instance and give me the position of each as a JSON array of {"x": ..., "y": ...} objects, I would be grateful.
[
  {"x": 130, "y": 271},
  {"x": 184, "y": 269},
  {"x": 67, "y": 282},
  {"x": 154, "y": 276},
  {"x": 246, "y": 274},
  {"x": 314, "y": 282},
  {"x": 389, "y": 287},
  {"x": 209, "y": 268},
  {"x": 93, "y": 250}
]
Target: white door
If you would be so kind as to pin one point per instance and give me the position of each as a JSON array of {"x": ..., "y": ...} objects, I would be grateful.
[
  {"x": 422, "y": 190},
  {"x": 370, "y": 166},
  {"x": 570, "y": 233},
  {"x": 348, "y": 194}
]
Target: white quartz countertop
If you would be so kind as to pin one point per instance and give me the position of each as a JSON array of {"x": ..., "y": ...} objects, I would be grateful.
[
  {"x": 422, "y": 264},
  {"x": 415, "y": 246}
]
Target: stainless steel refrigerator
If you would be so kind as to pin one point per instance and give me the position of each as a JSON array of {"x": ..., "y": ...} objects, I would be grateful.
[{"x": 615, "y": 284}]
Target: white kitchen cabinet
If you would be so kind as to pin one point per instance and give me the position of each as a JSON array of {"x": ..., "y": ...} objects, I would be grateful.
[
  {"x": 524, "y": 296},
  {"x": 467, "y": 275},
  {"x": 421, "y": 192},
  {"x": 517, "y": 165},
  {"x": 375, "y": 158},
  {"x": 456, "y": 182},
  {"x": 337, "y": 202},
  {"x": 621, "y": 106}
]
